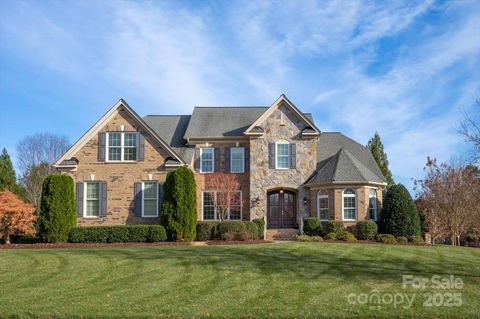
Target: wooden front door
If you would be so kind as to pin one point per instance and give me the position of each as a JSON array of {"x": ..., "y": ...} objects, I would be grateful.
[{"x": 281, "y": 209}]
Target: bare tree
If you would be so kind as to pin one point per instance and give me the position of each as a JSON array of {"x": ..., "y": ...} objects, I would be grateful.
[
  {"x": 36, "y": 154},
  {"x": 227, "y": 188},
  {"x": 470, "y": 129},
  {"x": 448, "y": 197}
]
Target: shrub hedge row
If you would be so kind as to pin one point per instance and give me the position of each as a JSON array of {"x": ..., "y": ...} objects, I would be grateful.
[
  {"x": 228, "y": 230},
  {"x": 117, "y": 234},
  {"x": 260, "y": 222}
]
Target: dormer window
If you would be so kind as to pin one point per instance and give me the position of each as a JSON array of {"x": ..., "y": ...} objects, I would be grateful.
[
  {"x": 122, "y": 146},
  {"x": 283, "y": 155}
]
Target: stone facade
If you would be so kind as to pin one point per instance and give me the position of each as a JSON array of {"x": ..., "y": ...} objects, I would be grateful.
[{"x": 278, "y": 127}]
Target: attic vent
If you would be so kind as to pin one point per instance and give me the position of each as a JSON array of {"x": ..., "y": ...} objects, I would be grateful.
[{"x": 282, "y": 118}]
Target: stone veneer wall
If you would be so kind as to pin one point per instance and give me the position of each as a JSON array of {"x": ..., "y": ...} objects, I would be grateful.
[
  {"x": 120, "y": 177},
  {"x": 335, "y": 201},
  {"x": 263, "y": 179}
]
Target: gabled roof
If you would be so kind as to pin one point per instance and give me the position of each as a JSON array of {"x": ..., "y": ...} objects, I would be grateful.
[
  {"x": 171, "y": 128},
  {"x": 121, "y": 104},
  {"x": 221, "y": 121},
  {"x": 342, "y": 160},
  {"x": 308, "y": 121}
]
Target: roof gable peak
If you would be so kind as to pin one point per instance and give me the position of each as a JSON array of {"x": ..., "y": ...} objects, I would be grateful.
[{"x": 273, "y": 107}]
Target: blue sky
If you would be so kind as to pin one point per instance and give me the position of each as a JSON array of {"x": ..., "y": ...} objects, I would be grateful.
[{"x": 406, "y": 69}]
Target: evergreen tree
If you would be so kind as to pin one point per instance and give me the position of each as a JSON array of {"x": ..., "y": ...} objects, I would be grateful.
[
  {"x": 179, "y": 208},
  {"x": 57, "y": 213},
  {"x": 376, "y": 148},
  {"x": 399, "y": 215},
  {"x": 8, "y": 179}
]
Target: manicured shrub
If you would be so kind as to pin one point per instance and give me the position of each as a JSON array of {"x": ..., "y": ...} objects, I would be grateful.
[
  {"x": 366, "y": 230},
  {"x": 138, "y": 233},
  {"x": 228, "y": 236},
  {"x": 57, "y": 208},
  {"x": 387, "y": 239},
  {"x": 307, "y": 238},
  {"x": 334, "y": 226},
  {"x": 417, "y": 240},
  {"x": 156, "y": 233},
  {"x": 399, "y": 215},
  {"x": 21, "y": 239},
  {"x": 402, "y": 240},
  {"x": 346, "y": 236},
  {"x": 312, "y": 226},
  {"x": 260, "y": 222},
  {"x": 241, "y": 230},
  {"x": 207, "y": 231},
  {"x": 251, "y": 230},
  {"x": 179, "y": 208},
  {"x": 117, "y": 234},
  {"x": 330, "y": 236}
]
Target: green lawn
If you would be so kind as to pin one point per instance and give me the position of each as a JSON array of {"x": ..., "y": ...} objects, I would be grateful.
[{"x": 268, "y": 280}]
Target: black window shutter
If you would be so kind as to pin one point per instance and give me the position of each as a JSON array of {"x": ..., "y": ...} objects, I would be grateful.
[
  {"x": 293, "y": 155},
  {"x": 271, "y": 155},
  {"x": 160, "y": 198},
  {"x": 79, "y": 192},
  {"x": 141, "y": 147},
  {"x": 247, "y": 159},
  {"x": 103, "y": 199},
  {"x": 101, "y": 146},
  {"x": 137, "y": 195},
  {"x": 227, "y": 159},
  {"x": 216, "y": 159},
  {"x": 196, "y": 160}
]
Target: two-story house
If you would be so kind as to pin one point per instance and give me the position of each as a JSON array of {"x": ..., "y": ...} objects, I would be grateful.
[{"x": 287, "y": 167}]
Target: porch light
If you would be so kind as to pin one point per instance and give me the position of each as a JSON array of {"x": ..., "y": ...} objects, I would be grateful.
[{"x": 281, "y": 191}]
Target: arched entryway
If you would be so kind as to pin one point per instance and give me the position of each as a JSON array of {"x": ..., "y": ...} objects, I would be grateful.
[{"x": 281, "y": 209}]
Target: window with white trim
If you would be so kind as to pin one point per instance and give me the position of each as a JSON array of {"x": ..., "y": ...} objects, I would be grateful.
[
  {"x": 372, "y": 204},
  {"x": 322, "y": 206},
  {"x": 92, "y": 199},
  {"x": 122, "y": 146},
  {"x": 237, "y": 159},
  {"x": 209, "y": 209},
  {"x": 206, "y": 160},
  {"x": 349, "y": 205},
  {"x": 150, "y": 199},
  {"x": 282, "y": 154}
]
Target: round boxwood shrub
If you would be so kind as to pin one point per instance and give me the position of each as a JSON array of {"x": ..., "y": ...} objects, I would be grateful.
[
  {"x": 118, "y": 234},
  {"x": 417, "y": 240},
  {"x": 366, "y": 230},
  {"x": 206, "y": 231},
  {"x": 260, "y": 222},
  {"x": 387, "y": 239},
  {"x": 334, "y": 226},
  {"x": 312, "y": 226},
  {"x": 156, "y": 233},
  {"x": 402, "y": 240},
  {"x": 57, "y": 208},
  {"x": 330, "y": 236},
  {"x": 179, "y": 208},
  {"x": 346, "y": 236},
  {"x": 399, "y": 215},
  {"x": 306, "y": 238},
  {"x": 235, "y": 228}
]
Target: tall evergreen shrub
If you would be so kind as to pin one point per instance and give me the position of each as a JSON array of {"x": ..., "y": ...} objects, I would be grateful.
[
  {"x": 179, "y": 208},
  {"x": 57, "y": 208},
  {"x": 399, "y": 215}
]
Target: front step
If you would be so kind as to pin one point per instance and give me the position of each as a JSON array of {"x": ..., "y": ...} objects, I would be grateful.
[{"x": 282, "y": 234}]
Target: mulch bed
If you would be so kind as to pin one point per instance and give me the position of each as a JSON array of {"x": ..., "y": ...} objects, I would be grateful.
[{"x": 95, "y": 245}]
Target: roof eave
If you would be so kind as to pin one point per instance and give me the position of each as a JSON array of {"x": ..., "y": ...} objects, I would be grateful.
[{"x": 346, "y": 183}]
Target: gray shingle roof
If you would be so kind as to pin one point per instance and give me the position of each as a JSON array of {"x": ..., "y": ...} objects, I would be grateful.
[
  {"x": 171, "y": 128},
  {"x": 341, "y": 159},
  {"x": 224, "y": 121}
]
